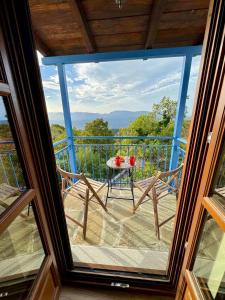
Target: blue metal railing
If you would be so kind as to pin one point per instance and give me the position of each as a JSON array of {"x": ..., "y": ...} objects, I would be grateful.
[
  {"x": 92, "y": 152},
  {"x": 10, "y": 169},
  {"x": 152, "y": 153}
]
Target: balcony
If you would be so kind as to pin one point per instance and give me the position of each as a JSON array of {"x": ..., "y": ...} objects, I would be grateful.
[{"x": 119, "y": 238}]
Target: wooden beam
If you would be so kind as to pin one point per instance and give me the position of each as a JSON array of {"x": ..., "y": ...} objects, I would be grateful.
[
  {"x": 41, "y": 46},
  {"x": 158, "y": 6},
  {"x": 79, "y": 17}
]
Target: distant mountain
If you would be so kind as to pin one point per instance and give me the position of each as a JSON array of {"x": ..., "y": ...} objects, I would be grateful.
[{"x": 116, "y": 119}]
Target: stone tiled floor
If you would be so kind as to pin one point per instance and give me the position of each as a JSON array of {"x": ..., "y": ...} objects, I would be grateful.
[
  {"x": 21, "y": 250},
  {"x": 113, "y": 236}
]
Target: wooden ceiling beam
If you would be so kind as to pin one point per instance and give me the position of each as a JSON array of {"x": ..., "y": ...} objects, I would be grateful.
[
  {"x": 80, "y": 18},
  {"x": 41, "y": 46},
  {"x": 158, "y": 6}
]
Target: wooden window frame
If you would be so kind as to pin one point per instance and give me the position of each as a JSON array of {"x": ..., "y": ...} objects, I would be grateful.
[
  {"x": 204, "y": 200},
  {"x": 215, "y": 210},
  {"x": 26, "y": 158},
  {"x": 17, "y": 26},
  {"x": 209, "y": 205}
]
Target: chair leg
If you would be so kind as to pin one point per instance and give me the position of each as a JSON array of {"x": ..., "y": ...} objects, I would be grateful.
[
  {"x": 85, "y": 213},
  {"x": 135, "y": 207},
  {"x": 156, "y": 216}
]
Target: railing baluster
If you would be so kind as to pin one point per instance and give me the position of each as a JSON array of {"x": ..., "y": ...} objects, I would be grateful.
[
  {"x": 166, "y": 158},
  {"x": 3, "y": 168},
  {"x": 143, "y": 160},
  {"x": 78, "y": 147},
  {"x": 85, "y": 158},
  {"x": 99, "y": 163},
  {"x": 68, "y": 149},
  {"x": 14, "y": 173},
  {"x": 135, "y": 153},
  {"x": 113, "y": 149},
  {"x": 64, "y": 163},
  {"x": 150, "y": 159},
  {"x": 158, "y": 164},
  {"x": 92, "y": 164}
]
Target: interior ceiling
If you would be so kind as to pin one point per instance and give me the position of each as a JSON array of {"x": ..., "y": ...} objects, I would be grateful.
[{"x": 64, "y": 27}]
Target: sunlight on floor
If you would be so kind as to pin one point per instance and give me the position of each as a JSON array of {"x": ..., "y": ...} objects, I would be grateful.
[{"x": 119, "y": 237}]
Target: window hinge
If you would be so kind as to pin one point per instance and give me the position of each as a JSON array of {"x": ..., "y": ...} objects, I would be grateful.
[
  {"x": 120, "y": 284},
  {"x": 209, "y": 137}
]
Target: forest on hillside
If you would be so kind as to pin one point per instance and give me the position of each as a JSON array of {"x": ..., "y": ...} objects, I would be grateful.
[{"x": 158, "y": 122}]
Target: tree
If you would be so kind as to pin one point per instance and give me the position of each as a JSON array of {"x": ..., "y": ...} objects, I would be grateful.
[
  {"x": 97, "y": 127},
  {"x": 166, "y": 110},
  {"x": 58, "y": 132},
  {"x": 142, "y": 126}
]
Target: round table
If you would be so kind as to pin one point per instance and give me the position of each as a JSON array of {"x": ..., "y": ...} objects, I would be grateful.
[{"x": 125, "y": 167}]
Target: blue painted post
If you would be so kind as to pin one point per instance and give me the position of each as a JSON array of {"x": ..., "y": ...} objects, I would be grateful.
[
  {"x": 180, "y": 110},
  {"x": 67, "y": 116}
]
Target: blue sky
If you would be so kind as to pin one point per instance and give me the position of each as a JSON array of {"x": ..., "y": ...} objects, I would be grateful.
[{"x": 124, "y": 85}]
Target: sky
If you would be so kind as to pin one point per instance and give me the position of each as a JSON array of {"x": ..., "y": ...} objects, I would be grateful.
[{"x": 120, "y": 85}]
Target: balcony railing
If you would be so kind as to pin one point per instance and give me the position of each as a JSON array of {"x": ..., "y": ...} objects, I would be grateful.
[
  {"x": 10, "y": 169},
  {"x": 92, "y": 152},
  {"x": 152, "y": 153}
]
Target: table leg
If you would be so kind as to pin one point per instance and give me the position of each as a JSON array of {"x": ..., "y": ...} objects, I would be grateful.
[
  {"x": 132, "y": 184},
  {"x": 109, "y": 184}
]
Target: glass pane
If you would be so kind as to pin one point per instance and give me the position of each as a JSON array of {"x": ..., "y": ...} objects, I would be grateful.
[
  {"x": 11, "y": 177},
  {"x": 21, "y": 255},
  {"x": 219, "y": 181},
  {"x": 209, "y": 265}
]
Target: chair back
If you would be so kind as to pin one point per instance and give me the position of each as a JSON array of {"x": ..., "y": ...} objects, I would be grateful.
[
  {"x": 172, "y": 173},
  {"x": 68, "y": 176}
]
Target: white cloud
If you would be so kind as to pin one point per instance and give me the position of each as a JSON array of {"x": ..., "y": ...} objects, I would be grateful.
[
  {"x": 69, "y": 79},
  {"x": 50, "y": 84},
  {"x": 104, "y": 87},
  {"x": 54, "y": 78},
  {"x": 164, "y": 83}
]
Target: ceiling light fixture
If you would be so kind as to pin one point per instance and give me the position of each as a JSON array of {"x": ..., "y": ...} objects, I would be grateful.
[{"x": 119, "y": 3}]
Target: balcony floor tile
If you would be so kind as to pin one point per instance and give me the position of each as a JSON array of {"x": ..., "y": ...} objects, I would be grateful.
[{"x": 119, "y": 237}]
